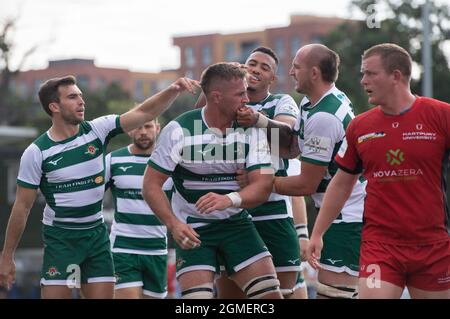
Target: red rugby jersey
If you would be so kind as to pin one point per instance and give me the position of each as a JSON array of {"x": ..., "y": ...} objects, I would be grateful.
[{"x": 404, "y": 159}]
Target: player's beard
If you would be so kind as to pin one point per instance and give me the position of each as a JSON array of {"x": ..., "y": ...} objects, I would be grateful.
[{"x": 144, "y": 146}]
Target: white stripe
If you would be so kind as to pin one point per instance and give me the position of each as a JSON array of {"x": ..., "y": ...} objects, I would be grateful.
[
  {"x": 269, "y": 217},
  {"x": 101, "y": 279},
  {"x": 129, "y": 159},
  {"x": 139, "y": 231},
  {"x": 79, "y": 141},
  {"x": 199, "y": 185},
  {"x": 195, "y": 268},
  {"x": 156, "y": 252},
  {"x": 232, "y": 137},
  {"x": 129, "y": 285},
  {"x": 47, "y": 282},
  {"x": 86, "y": 219},
  {"x": 133, "y": 206},
  {"x": 77, "y": 171},
  {"x": 288, "y": 268},
  {"x": 128, "y": 181},
  {"x": 340, "y": 269},
  {"x": 48, "y": 216},
  {"x": 251, "y": 260},
  {"x": 155, "y": 294},
  {"x": 342, "y": 111},
  {"x": 81, "y": 198}
]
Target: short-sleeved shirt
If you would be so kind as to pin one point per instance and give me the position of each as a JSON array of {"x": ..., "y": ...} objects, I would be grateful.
[
  {"x": 321, "y": 130},
  {"x": 277, "y": 206},
  {"x": 70, "y": 173},
  {"x": 404, "y": 159},
  {"x": 135, "y": 229},
  {"x": 202, "y": 160}
]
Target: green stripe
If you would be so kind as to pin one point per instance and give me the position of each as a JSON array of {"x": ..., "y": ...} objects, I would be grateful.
[
  {"x": 76, "y": 185},
  {"x": 316, "y": 162},
  {"x": 26, "y": 185},
  {"x": 128, "y": 193},
  {"x": 77, "y": 212},
  {"x": 269, "y": 208},
  {"x": 158, "y": 168},
  {"x": 74, "y": 156},
  {"x": 323, "y": 185},
  {"x": 137, "y": 219},
  {"x": 135, "y": 169},
  {"x": 114, "y": 132},
  {"x": 239, "y": 216},
  {"x": 258, "y": 166},
  {"x": 185, "y": 174},
  {"x": 216, "y": 152},
  {"x": 140, "y": 243},
  {"x": 77, "y": 225}
]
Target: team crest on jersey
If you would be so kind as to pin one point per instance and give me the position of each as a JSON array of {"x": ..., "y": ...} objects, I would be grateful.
[
  {"x": 53, "y": 271},
  {"x": 395, "y": 157},
  {"x": 370, "y": 136},
  {"x": 91, "y": 150}
]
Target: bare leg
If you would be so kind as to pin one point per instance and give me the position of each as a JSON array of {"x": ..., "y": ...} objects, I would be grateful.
[
  {"x": 330, "y": 278},
  {"x": 98, "y": 290},
  {"x": 128, "y": 293},
  {"x": 384, "y": 290},
  {"x": 426, "y": 294},
  {"x": 56, "y": 292}
]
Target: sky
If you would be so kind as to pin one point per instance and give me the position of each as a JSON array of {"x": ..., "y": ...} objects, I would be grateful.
[{"x": 137, "y": 34}]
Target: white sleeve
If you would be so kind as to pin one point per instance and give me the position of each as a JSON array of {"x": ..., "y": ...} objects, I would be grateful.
[
  {"x": 321, "y": 133},
  {"x": 30, "y": 169},
  {"x": 286, "y": 106},
  {"x": 167, "y": 153},
  {"x": 106, "y": 126},
  {"x": 259, "y": 152},
  {"x": 107, "y": 168}
]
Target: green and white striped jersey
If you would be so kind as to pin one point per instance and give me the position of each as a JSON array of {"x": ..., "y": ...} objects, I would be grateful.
[
  {"x": 321, "y": 129},
  {"x": 202, "y": 160},
  {"x": 277, "y": 206},
  {"x": 135, "y": 229},
  {"x": 70, "y": 173}
]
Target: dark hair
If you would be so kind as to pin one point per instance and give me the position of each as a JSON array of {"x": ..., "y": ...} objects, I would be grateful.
[
  {"x": 267, "y": 51},
  {"x": 220, "y": 71},
  {"x": 328, "y": 62},
  {"x": 48, "y": 92},
  {"x": 393, "y": 57}
]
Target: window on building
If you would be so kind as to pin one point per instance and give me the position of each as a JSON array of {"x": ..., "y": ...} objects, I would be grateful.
[
  {"x": 246, "y": 49},
  {"x": 316, "y": 39},
  {"x": 206, "y": 54},
  {"x": 279, "y": 47},
  {"x": 230, "y": 55},
  {"x": 139, "y": 90},
  {"x": 296, "y": 42},
  {"x": 100, "y": 83},
  {"x": 281, "y": 74},
  {"x": 189, "y": 74},
  {"x": 83, "y": 82},
  {"x": 36, "y": 86},
  {"x": 189, "y": 56}
]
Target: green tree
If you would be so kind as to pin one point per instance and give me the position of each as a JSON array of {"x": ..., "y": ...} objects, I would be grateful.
[{"x": 401, "y": 24}]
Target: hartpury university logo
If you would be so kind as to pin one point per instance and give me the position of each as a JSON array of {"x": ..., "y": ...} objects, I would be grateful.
[{"x": 395, "y": 157}]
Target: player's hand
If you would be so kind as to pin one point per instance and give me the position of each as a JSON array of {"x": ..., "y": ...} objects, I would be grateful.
[
  {"x": 7, "y": 272},
  {"x": 304, "y": 242},
  {"x": 185, "y": 84},
  {"x": 211, "y": 202},
  {"x": 313, "y": 251},
  {"x": 185, "y": 236},
  {"x": 246, "y": 117}
]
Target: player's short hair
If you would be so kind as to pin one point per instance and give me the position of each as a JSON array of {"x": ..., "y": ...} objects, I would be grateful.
[
  {"x": 269, "y": 52},
  {"x": 220, "y": 71},
  {"x": 48, "y": 91},
  {"x": 393, "y": 57},
  {"x": 327, "y": 61}
]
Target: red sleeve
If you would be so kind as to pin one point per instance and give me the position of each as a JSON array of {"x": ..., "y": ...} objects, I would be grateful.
[{"x": 347, "y": 157}]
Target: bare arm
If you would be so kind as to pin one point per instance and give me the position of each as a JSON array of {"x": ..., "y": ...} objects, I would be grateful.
[
  {"x": 25, "y": 198},
  {"x": 301, "y": 223},
  {"x": 156, "y": 104},
  {"x": 338, "y": 191},
  {"x": 255, "y": 193},
  {"x": 300, "y": 185},
  {"x": 157, "y": 200},
  {"x": 279, "y": 130}
]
